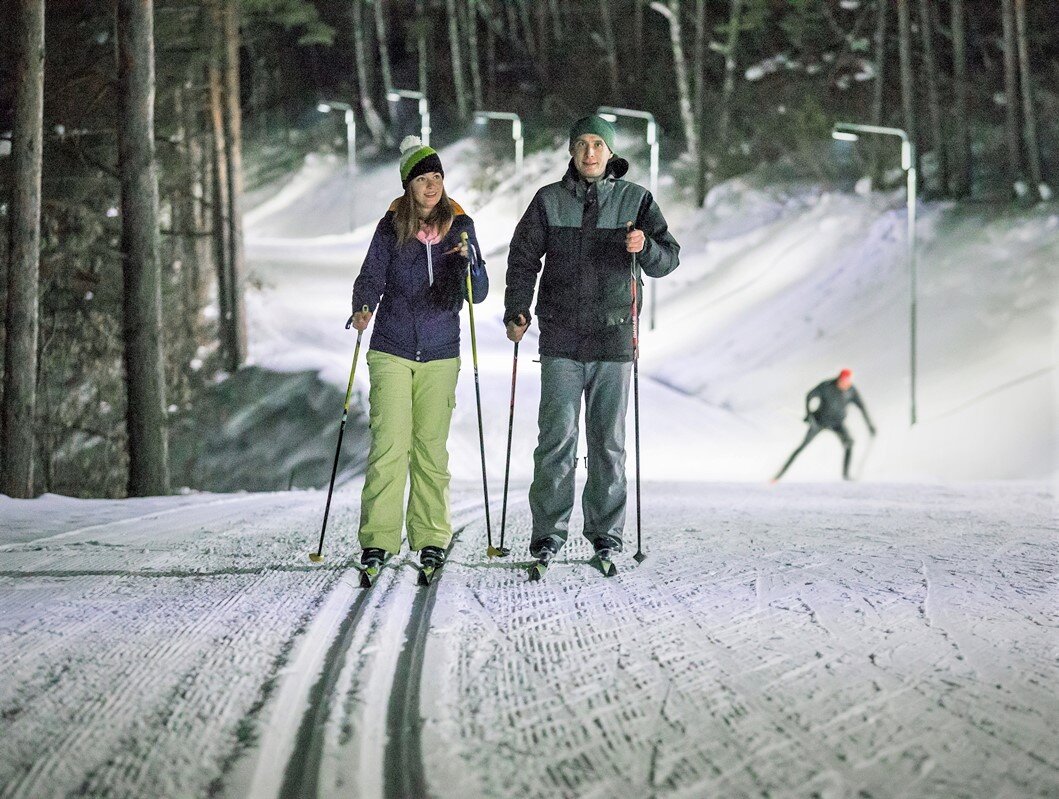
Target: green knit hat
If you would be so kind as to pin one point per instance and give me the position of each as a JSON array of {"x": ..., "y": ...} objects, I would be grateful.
[
  {"x": 593, "y": 124},
  {"x": 417, "y": 159}
]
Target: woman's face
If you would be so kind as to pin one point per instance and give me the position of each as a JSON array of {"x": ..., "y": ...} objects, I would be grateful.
[{"x": 426, "y": 191}]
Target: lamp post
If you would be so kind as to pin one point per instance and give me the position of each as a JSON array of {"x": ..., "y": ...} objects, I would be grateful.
[
  {"x": 848, "y": 131},
  {"x": 611, "y": 114},
  {"x": 481, "y": 117},
  {"x": 351, "y": 147},
  {"x": 395, "y": 95},
  {"x": 351, "y": 129}
]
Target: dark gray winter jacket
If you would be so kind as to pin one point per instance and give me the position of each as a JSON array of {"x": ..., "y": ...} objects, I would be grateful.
[
  {"x": 584, "y": 306},
  {"x": 833, "y": 402}
]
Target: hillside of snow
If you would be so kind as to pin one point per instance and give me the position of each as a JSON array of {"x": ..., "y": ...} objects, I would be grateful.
[{"x": 779, "y": 287}]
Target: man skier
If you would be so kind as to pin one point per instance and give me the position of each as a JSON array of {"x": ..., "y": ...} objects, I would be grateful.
[
  {"x": 832, "y": 397},
  {"x": 579, "y": 226}
]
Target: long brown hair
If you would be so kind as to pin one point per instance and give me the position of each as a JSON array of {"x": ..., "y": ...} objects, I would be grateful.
[{"x": 406, "y": 221}]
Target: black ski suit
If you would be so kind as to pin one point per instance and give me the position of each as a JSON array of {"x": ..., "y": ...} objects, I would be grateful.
[{"x": 830, "y": 415}]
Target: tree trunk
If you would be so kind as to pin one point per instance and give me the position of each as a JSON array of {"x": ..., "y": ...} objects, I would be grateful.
[
  {"x": 879, "y": 86},
  {"x": 384, "y": 49},
  {"x": 512, "y": 21},
  {"x": 198, "y": 165},
  {"x": 527, "y": 27},
  {"x": 612, "y": 50},
  {"x": 1011, "y": 94},
  {"x": 908, "y": 89},
  {"x": 639, "y": 70},
  {"x": 142, "y": 299},
  {"x": 455, "y": 49},
  {"x": 376, "y": 127},
  {"x": 724, "y": 122},
  {"x": 930, "y": 66},
  {"x": 1029, "y": 112},
  {"x": 490, "y": 60},
  {"x": 185, "y": 228},
  {"x": 699, "y": 60},
  {"x": 557, "y": 22},
  {"x": 219, "y": 205},
  {"x": 421, "y": 44},
  {"x": 233, "y": 141},
  {"x": 23, "y": 269},
  {"x": 961, "y": 168},
  {"x": 472, "y": 55},
  {"x": 671, "y": 11}
]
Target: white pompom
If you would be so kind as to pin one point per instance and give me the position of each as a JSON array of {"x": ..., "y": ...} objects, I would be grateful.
[{"x": 410, "y": 143}]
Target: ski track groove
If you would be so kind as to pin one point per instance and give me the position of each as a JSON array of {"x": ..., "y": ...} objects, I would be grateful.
[
  {"x": 302, "y": 773},
  {"x": 860, "y": 658},
  {"x": 735, "y": 698},
  {"x": 129, "y": 723}
]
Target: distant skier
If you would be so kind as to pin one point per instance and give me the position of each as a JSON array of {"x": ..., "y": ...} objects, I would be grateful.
[
  {"x": 578, "y": 225},
  {"x": 829, "y": 413},
  {"x": 414, "y": 276}
]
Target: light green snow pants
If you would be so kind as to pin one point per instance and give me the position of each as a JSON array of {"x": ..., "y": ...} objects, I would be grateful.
[{"x": 411, "y": 407}]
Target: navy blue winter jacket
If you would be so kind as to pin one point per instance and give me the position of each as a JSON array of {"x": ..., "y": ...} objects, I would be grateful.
[{"x": 417, "y": 318}]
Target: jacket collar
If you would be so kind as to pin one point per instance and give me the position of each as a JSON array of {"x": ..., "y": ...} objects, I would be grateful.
[{"x": 576, "y": 185}]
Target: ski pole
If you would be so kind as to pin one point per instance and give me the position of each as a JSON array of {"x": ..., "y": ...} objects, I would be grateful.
[
  {"x": 507, "y": 462},
  {"x": 317, "y": 556},
  {"x": 491, "y": 551},
  {"x": 640, "y": 555}
]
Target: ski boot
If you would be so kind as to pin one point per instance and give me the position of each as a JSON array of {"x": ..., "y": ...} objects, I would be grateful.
[
  {"x": 603, "y": 558},
  {"x": 431, "y": 559},
  {"x": 371, "y": 561},
  {"x": 544, "y": 551}
]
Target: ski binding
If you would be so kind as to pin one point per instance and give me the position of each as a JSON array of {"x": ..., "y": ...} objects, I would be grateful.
[
  {"x": 427, "y": 574},
  {"x": 539, "y": 568}
]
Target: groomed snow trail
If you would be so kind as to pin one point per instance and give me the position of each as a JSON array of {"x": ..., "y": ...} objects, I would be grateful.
[
  {"x": 133, "y": 653},
  {"x": 795, "y": 641},
  {"x": 831, "y": 640}
]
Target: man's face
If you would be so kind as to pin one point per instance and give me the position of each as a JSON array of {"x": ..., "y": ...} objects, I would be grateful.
[
  {"x": 845, "y": 382},
  {"x": 590, "y": 155}
]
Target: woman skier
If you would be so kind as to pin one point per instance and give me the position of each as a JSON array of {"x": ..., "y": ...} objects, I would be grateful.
[{"x": 414, "y": 277}]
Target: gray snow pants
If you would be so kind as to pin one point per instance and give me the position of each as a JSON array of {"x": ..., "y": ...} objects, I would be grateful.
[{"x": 605, "y": 386}]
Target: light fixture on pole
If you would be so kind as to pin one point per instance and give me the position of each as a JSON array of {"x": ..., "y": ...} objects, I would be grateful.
[
  {"x": 611, "y": 114},
  {"x": 395, "y": 95},
  {"x": 848, "y": 131},
  {"x": 481, "y": 117},
  {"x": 351, "y": 146},
  {"x": 351, "y": 129}
]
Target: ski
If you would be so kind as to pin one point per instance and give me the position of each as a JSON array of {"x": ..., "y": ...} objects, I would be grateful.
[{"x": 601, "y": 560}]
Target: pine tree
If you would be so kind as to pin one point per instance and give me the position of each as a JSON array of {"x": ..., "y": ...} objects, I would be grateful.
[
  {"x": 20, "y": 345},
  {"x": 142, "y": 298},
  {"x": 961, "y": 169}
]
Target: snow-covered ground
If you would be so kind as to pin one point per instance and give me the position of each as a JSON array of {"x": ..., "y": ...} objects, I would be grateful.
[
  {"x": 894, "y": 637},
  {"x": 830, "y": 640}
]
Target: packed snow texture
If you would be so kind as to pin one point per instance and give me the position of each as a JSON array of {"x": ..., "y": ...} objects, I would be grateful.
[
  {"x": 842, "y": 640},
  {"x": 893, "y": 637}
]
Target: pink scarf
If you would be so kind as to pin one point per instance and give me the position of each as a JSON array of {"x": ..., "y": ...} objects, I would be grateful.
[{"x": 428, "y": 234}]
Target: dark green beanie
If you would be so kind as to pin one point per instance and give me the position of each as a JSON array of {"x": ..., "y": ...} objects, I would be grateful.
[{"x": 593, "y": 124}]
